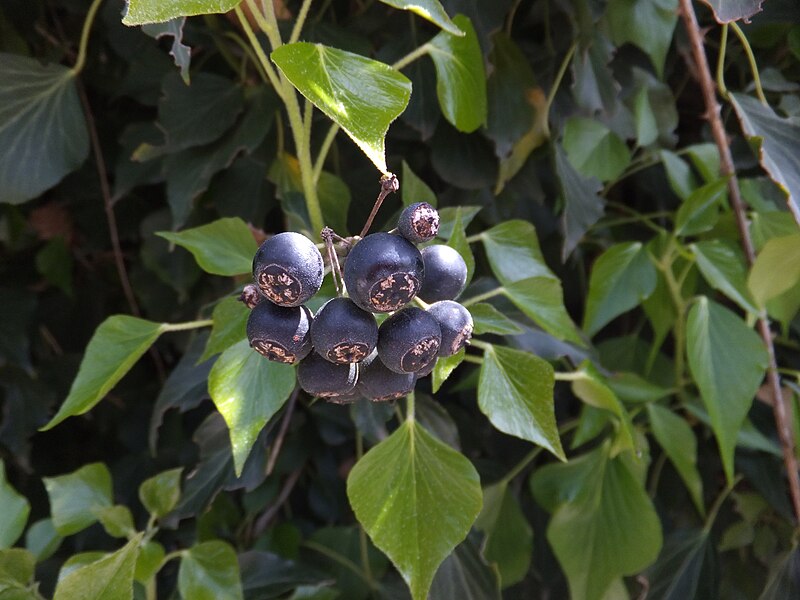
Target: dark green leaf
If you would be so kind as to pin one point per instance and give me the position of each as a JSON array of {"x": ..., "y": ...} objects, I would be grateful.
[
  {"x": 488, "y": 319},
  {"x": 222, "y": 247},
  {"x": 654, "y": 110},
  {"x": 466, "y": 576},
  {"x": 417, "y": 499},
  {"x": 230, "y": 320},
  {"x": 427, "y": 9},
  {"x": 583, "y": 205},
  {"x": 460, "y": 77},
  {"x": 180, "y": 52},
  {"x": 594, "y": 150},
  {"x": 727, "y": 360},
  {"x": 444, "y": 368},
  {"x": 157, "y": 11},
  {"x": 509, "y": 536},
  {"x": 76, "y": 498},
  {"x": 648, "y": 25},
  {"x": 210, "y": 571},
  {"x": 727, "y": 11},
  {"x": 778, "y": 256},
  {"x": 247, "y": 390},
  {"x": 110, "y": 578},
  {"x": 447, "y": 218},
  {"x": 42, "y": 128},
  {"x": 622, "y": 278},
  {"x": 54, "y": 262},
  {"x": 160, "y": 494},
  {"x": 363, "y": 96},
  {"x": 516, "y": 392},
  {"x": 724, "y": 268},
  {"x": 633, "y": 388},
  {"x": 458, "y": 241},
  {"x": 679, "y": 174},
  {"x": 431, "y": 415},
  {"x": 783, "y": 583},
  {"x": 413, "y": 189},
  {"x": 682, "y": 569},
  {"x": 778, "y": 140},
  {"x": 677, "y": 439},
  {"x": 14, "y": 515},
  {"x": 603, "y": 524},
  {"x": 542, "y": 299},
  {"x": 700, "y": 211},
  {"x": 116, "y": 345}
]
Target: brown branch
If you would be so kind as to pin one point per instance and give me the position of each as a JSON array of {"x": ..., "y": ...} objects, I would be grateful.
[
  {"x": 703, "y": 73},
  {"x": 264, "y": 520},
  {"x": 389, "y": 184}
]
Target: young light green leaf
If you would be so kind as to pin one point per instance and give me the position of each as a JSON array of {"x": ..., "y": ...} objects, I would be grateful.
[
  {"x": 160, "y": 494},
  {"x": 460, "y": 76},
  {"x": 361, "y": 95},
  {"x": 427, "y": 9},
  {"x": 444, "y": 368},
  {"x": 622, "y": 278},
  {"x": 515, "y": 391},
  {"x": 110, "y": 578},
  {"x": 603, "y": 525},
  {"x": 727, "y": 360},
  {"x": 151, "y": 558},
  {"x": 677, "y": 439},
  {"x": 724, "y": 268},
  {"x": 223, "y": 247},
  {"x": 417, "y": 499},
  {"x": 230, "y": 322},
  {"x": 117, "y": 520},
  {"x": 488, "y": 319},
  {"x": 509, "y": 536},
  {"x": 648, "y": 25},
  {"x": 777, "y": 268},
  {"x": 42, "y": 539},
  {"x": 594, "y": 150},
  {"x": 247, "y": 390},
  {"x": 513, "y": 251},
  {"x": 210, "y": 571},
  {"x": 542, "y": 299},
  {"x": 593, "y": 390},
  {"x": 116, "y": 345},
  {"x": 15, "y": 511},
  {"x": 42, "y": 127},
  {"x": 157, "y": 11},
  {"x": 76, "y": 498},
  {"x": 778, "y": 137},
  {"x": 414, "y": 189},
  {"x": 16, "y": 567}
]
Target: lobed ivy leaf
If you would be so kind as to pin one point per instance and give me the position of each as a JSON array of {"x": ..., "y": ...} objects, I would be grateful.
[
  {"x": 416, "y": 498},
  {"x": 116, "y": 345},
  {"x": 583, "y": 205},
  {"x": 42, "y": 128},
  {"x": 222, "y": 247},
  {"x": 361, "y": 95},
  {"x": 109, "y": 578},
  {"x": 515, "y": 391},
  {"x": 180, "y": 52},
  {"x": 727, "y": 360},
  {"x": 460, "y": 76},
  {"x": 210, "y": 571},
  {"x": 248, "y": 390},
  {"x": 648, "y": 25},
  {"x": 14, "y": 515},
  {"x": 431, "y": 10},
  {"x": 76, "y": 498},
  {"x": 140, "y": 12},
  {"x": 594, "y": 150}
]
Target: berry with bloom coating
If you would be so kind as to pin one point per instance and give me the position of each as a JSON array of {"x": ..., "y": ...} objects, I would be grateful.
[
  {"x": 280, "y": 333},
  {"x": 445, "y": 273},
  {"x": 342, "y": 332},
  {"x": 409, "y": 340},
  {"x": 418, "y": 222},
  {"x": 288, "y": 269},
  {"x": 323, "y": 378},
  {"x": 378, "y": 383},
  {"x": 456, "y": 324}
]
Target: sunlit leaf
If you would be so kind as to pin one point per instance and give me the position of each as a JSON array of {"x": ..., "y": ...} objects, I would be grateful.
[
  {"x": 14, "y": 515},
  {"x": 109, "y": 578},
  {"x": 210, "y": 571},
  {"x": 222, "y": 247},
  {"x": 156, "y": 11},
  {"x": 76, "y": 498},
  {"x": 427, "y": 9}
]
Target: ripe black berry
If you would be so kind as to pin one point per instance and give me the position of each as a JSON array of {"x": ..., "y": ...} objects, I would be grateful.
[
  {"x": 320, "y": 377},
  {"x": 288, "y": 269},
  {"x": 280, "y": 333},
  {"x": 456, "y": 324},
  {"x": 418, "y": 222},
  {"x": 378, "y": 383},
  {"x": 343, "y": 333},
  {"x": 383, "y": 272},
  {"x": 445, "y": 273},
  {"x": 409, "y": 340}
]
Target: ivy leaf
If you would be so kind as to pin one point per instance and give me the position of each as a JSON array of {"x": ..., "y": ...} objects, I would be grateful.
[
  {"x": 42, "y": 128},
  {"x": 622, "y": 278},
  {"x": 700, "y": 211},
  {"x": 230, "y": 322},
  {"x": 117, "y": 520},
  {"x": 210, "y": 571},
  {"x": 417, "y": 499},
  {"x": 515, "y": 391},
  {"x": 180, "y": 52},
  {"x": 465, "y": 575},
  {"x": 42, "y": 539},
  {"x": 222, "y": 247},
  {"x": 427, "y": 9},
  {"x": 583, "y": 205},
  {"x": 160, "y": 494},
  {"x": 782, "y": 583},
  {"x": 778, "y": 140},
  {"x": 513, "y": 251},
  {"x": 676, "y": 438},
  {"x": 116, "y": 345},
  {"x": 444, "y": 367},
  {"x": 648, "y": 25},
  {"x": 603, "y": 524},
  {"x": 594, "y": 391},
  {"x": 509, "y": 536},
  {"x": 595, "y": 150},
  {"x": 727, "y": 360},
  {"x": 415, "y": 189},
  {"x": 16, "y": 572},
  {"x": 248, "y": 389},
  {"x": 361, "y": 95},
  {"x": 727, "y": 11},
  {"x": 460, "y": 76},
  {"x": 156, "y": 11},
  {"x": 681, "y": 569},
  {"x": 488, "y": 319},
  {"x": 458, "y": 242},
  {"x": 779, "y": 255},
  {"x": 77, "y": 497},
  {"x": 14, "y": 515},
  {"x": 724, "y": 268},
  {"x": 542, "y": 299},
  {"x": 110, "y": 578}
]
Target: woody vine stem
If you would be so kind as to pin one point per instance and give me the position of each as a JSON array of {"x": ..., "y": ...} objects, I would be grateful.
[{"x": 780, "y": 411}]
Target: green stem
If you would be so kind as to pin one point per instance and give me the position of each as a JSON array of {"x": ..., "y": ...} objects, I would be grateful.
[
  {"x": 248, "y": 51},
  {"x": 410, "y": 402},
  {"x": 216, "y": 35},
  {"x": 187, "y": 325},
  {"x": 571, "y": 376},
  {"x": 477, "y": 360},
  {"x": 419, "y": 52},
  {"x": 301, "y": 19},
  {"x": 752, "y": 60},
  {"x": 80, "y": 62},
  {"x": 267, "y": 25},
  {"x": 485, "y": 296},
  {"x": 556, "y": 84},
  {"x": 481, "y": 345},
  {"x": 324, "y": 149},
  {"x": 712, "y": 514},
  {"x": 262, "y": 57},
  {"x": 723, "y": 46},
  {"x": 520, "y": 466},
  {"x": 679, "y": 328}
]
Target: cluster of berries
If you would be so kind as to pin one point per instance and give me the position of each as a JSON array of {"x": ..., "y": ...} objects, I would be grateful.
[{"x": 343, "y": 353}]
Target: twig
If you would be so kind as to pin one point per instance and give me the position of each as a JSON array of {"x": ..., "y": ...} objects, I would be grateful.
[
  {"x": 278, "y": 444},
  {"x": 263, "y": 521},
  {"x": 727, "y": 169},
  {"x": 389, "y": 184},
  {"x": 328, "y": 235}
]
